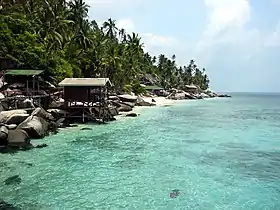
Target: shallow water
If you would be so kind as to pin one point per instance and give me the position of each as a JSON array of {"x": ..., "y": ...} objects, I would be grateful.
[{"x": 220, "y": 154}]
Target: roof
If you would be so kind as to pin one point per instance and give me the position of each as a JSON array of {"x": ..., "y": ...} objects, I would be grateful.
[
  {"x": 191, "y": 86},
  {"x": 153, "y": 87},
  {"x": 90, "y": 82},
  {"x": 23, "y": 72}
]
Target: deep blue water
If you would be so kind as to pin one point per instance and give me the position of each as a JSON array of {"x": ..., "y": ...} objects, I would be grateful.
[{"x": 220, "y": 154}]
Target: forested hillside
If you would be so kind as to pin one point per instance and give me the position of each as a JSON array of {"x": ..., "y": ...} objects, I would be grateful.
[{"x": 58, "y": 36}]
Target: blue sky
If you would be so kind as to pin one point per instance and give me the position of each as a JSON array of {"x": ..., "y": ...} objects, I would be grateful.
[{"x": 237, "y": 41}]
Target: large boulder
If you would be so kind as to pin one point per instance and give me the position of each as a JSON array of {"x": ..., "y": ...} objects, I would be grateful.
[
  {"x": 204, "y": 95},
  {"x": 11, "y": 126},
  {"x": 132, "y": 114},
  {"x": 59, "y": 103},
  {"x": 40, "y": 112},
  {"x": 114, "y": 98},
  {"x": 57, "y": 113},
  {"x": 189, "y": 96},
  {"x": 115, "y": 103},
  {"x": 35, "y": 126},
  {"x": 3, "y": 135},
  {"x": 131, "y": 104},
  {"x": 5, "y": 115},
  {"x": 18, "y": 138},
  {"x": 16, "y": 119},
  {"x": 142, "y": 102},
  {"x": 113, "y": 111},
  {"x": 106, "y": 112},
  {"x": 124, "y": 108},
  {"x": 26, "y": 103},
  {"x": 128, "y": 98},
  {"x": 177, "y": 96}
]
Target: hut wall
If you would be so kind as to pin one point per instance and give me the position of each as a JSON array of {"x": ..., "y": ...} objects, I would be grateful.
[
  {"x": 76, "y": 94},
  {"x": 83, "y": 94}
]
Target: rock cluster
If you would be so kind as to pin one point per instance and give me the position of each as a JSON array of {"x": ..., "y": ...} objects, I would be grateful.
[
  {"x": 126, "y": 103},
  {"x": 17, "y": 127},
  {"x": 182, "y": 95}
]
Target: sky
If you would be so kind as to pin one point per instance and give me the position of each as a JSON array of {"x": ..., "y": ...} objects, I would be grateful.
[{"x": 237, "y": 41}]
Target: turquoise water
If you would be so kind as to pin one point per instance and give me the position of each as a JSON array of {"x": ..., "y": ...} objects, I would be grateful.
[{"x": 220, "y": 154}]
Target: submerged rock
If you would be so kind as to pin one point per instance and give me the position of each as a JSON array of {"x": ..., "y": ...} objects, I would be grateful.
[
  {"x": 40, "y": 146},
  {"x": 13, "y": 180},
  {"x": 6, "y": 206},
  {"x": 131, "y": 115},
  {"x": 224, "y": 96},
  {"x": 25, "y": 163},
  {"x": 86, "y": 129},
  {"x": 174, "y": 193}
]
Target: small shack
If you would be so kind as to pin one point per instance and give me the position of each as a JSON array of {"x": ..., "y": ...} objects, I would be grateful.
[
  {"x": 20, "y": 85},
  {"x": 192, "y": 89},
  {"x": 81, "y": 94},
  {"x": 24, "y": 78},
  {"x": 154, "y": 89}
]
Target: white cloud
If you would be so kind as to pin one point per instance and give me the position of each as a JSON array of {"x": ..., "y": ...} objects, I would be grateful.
[
  {"x": 110, "y": 7},
  {"x": 157, "y": 44},
  {"x": 127, "y": 24},
  {"x": 273, "y": 40},
  {"x": 226, "y": 14},
  {"x": 157, "y": 40},
  {"x": 153, "y": 43},
  {"x": 226, "y": 20}
]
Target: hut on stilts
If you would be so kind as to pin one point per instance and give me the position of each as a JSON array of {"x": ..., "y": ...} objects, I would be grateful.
[
  {"x": 85, "y": 99},
  {"x": 23, "y": 84}
]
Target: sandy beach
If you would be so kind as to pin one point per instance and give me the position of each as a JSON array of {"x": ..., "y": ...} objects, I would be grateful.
[{"x": 160, "y": 101}]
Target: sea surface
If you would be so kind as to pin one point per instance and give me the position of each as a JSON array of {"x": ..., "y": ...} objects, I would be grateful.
[{"x": 219, "y": 153}]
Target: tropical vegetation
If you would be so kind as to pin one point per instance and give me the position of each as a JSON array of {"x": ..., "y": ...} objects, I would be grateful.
[{"x": 59, "y": 37}]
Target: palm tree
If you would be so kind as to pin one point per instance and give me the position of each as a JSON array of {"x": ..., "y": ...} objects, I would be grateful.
[{"x": 110, "y": 28}]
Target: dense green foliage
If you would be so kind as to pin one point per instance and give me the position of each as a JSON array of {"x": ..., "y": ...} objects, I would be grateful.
[{"x": 57, "y": 35}]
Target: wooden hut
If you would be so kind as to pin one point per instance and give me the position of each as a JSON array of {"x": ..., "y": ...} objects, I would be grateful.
[
  {"x": 191, "y": 89},
  {"x": 23, "y": 84},
  {"x": 81, "y": 94},
  {"x": 154, "y": 89},
  {"x": 27, "y": 78}
]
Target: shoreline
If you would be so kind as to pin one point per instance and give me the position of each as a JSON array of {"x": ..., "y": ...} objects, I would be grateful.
[
  {"x": 160, "y": 101},
  {"x": 20, "y": 127}
]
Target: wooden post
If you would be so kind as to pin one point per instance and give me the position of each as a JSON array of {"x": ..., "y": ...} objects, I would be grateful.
[
  {"x": 83, "y": 112},
  {"x": 27, "y": 87},
  {"x": 33, "y": 82}
]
